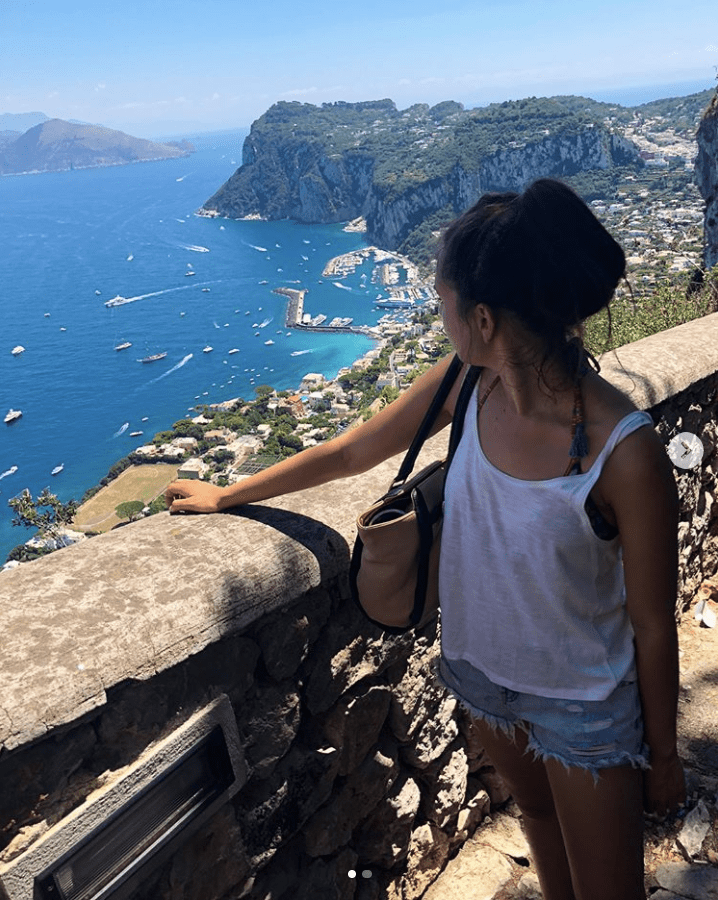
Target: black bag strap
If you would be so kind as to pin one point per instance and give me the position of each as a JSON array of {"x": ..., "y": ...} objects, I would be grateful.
[
  {"x": 432, "y": 414},
  {"x": 462, "y": 402}
]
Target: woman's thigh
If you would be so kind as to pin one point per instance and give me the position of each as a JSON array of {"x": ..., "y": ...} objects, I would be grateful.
[
  {"x": 524, "y": 775},
  {"x": 602, "y": 825}
]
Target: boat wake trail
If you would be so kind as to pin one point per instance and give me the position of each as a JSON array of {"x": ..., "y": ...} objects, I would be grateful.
[
  {"x": 10, "y": 471},
  {"x": 344, "y": 287},
  {"x": 255, "y": 247},
  {"x": 179, "y": 365},
  {"x": 122, "y": 301}
]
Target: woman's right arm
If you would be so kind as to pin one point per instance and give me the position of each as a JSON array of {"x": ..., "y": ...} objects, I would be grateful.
[{"x": 384, "y": 435}]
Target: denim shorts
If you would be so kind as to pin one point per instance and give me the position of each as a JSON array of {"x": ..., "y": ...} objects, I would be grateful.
[{"x": 587, "y": 734}]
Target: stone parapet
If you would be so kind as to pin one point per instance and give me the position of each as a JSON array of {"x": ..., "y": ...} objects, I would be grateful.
[{"x": 356, "y": 760}]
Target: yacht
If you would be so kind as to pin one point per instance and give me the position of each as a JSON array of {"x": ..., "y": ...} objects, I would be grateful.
[
  {"x": 119, "y": 300},
  {"x": 58, "y": 469},
  {"x": 16, "y": 351},
  {"x": 124, "y": 345},
  {"x": 270, "y": 341},
  {"x": 154, "y": 357},
  {"x": 207, "y": 349},
  {"x": 12, "y": 416}
]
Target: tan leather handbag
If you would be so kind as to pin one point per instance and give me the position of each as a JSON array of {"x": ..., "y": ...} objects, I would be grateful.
[{"x": 394, "y": 571}]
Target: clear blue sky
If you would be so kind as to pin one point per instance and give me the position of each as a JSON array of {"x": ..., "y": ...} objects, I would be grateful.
[{"x": 158, "y": 66}]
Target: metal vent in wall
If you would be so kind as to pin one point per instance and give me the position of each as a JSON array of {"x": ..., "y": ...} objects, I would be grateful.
[{"x": 104, "y": 849}]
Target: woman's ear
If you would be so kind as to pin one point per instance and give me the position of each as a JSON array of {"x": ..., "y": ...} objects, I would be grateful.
[{"x": 483, "y": 322}]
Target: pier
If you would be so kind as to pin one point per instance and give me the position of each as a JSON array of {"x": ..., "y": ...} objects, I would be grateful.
[
  {"x": 295, "y": 307},
  {"x": 295, "y": 313}
]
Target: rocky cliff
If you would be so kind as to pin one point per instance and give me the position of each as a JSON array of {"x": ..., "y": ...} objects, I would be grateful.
[
  {"x": 56, "y": 146},
  {"x": 707, "y": 179},
  {"x": 400, "y": 169}
]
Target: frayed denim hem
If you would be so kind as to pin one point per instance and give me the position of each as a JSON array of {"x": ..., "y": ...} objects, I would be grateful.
[
  {"x": 610, "y": 761},
  {"x": 496, "y": 723}
]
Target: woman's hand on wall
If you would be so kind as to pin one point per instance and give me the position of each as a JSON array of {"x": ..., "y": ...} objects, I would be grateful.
[{"x": 193, "y": 496}]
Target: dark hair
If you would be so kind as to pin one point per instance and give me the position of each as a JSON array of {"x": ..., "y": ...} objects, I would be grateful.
[{"x": 540, "y": 255}]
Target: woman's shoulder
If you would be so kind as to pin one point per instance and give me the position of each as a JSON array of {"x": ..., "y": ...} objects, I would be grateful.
[{"x": 608, "y": 404}]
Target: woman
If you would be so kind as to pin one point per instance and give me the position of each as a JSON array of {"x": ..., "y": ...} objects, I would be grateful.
[{"x": 557, "y": 581}]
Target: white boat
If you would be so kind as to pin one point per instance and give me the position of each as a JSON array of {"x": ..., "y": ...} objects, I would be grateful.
[
  {"x": 12, "y": 416},
  {"x": 207, "y": 349},
  {"x": 187, "y": 274},
  {"x": 124, "y": 345},
  {"x": 270, "y": 341},
  {"x": 58, "y": 469},
  {"x": 119, "y": 300},
  {"x": 233, "y": 350},
  {"x": 135, "y": 433},
  {"x": 16, "y": 351}
]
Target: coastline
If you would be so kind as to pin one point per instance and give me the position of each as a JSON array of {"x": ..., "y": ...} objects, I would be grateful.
[{"x": 378, "y": 334}]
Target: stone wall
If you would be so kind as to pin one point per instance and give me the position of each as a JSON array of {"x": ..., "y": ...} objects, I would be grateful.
[{"x": 356, "y": 761}]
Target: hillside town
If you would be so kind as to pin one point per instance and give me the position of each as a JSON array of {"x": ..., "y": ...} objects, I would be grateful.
[{"x": 657, "y": 216}]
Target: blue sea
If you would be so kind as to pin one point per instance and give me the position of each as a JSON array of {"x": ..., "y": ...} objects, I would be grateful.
[{"x": 73, "y": 240}]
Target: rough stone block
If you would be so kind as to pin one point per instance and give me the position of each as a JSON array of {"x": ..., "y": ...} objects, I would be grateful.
[
  {"x": 695, "y": 828},
  {"x": 415, "y": 695},
  {"x": 437, "y": 730},
  {"x": 475, "y": 809},
  {"x": 384, "y": 837},
  {"x": 275, "y": 809},
  {"x": 42, "y": 784},
  {"x": 285, "y": 637},
  {"x": 331, "y": 827},
  {"x": 495, "y": 787},
  {"x": 689, "y": 881},
  {"x": 445, "y": 786},
  {"x": 344, "y": 656},
  {"x": 477, "y": 872},
  {"x": 504, "y": 835},
  {"x": 428, "y": 851},
  {"x": 271, "y": 725},
  {"x": 354, "y": 724},
  {"x": 328, "y": 878}
]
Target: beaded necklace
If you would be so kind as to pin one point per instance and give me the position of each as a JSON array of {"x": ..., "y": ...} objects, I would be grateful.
[{"x": 579, "y": 441}]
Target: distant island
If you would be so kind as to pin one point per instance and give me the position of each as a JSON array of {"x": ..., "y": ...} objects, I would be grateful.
[{"x": 53, "y": 145}]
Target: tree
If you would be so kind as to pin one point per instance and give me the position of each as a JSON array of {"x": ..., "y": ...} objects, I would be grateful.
[
  {"x": 130, "y": 509},
  {"x": 50, "y": 522}
]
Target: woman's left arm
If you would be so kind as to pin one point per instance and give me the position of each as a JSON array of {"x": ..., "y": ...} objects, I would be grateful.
[{"x": 641, "y": 489}]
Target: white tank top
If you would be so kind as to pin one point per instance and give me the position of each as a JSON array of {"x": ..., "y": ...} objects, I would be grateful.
[{"x": 530, "y": 595}]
